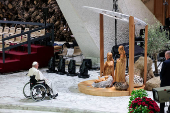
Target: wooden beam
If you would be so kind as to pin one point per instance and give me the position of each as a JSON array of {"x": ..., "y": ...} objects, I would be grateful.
[
  {"x": 145, "y": 57},
  {"x": 131, "y": 53},
  {"x": 163, "y": 12},
  {"x": 101, "y": 45},
  {"x": 154, "y": 7}
]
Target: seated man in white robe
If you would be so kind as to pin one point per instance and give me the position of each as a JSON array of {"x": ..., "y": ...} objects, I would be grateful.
[{"x": 39, "y": 76}]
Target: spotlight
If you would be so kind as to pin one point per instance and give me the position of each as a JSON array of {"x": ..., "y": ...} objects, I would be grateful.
[
  {"x": 61, "y": 67},
  {"x": 89, "y": 63},
  {"x": 51, "y": 66},
  {"x": 71, "y": 68},
  {"x": 83, "y": 70}
]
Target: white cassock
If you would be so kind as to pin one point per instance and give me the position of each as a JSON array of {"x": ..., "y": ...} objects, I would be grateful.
[{"x": 39, "y": 76}]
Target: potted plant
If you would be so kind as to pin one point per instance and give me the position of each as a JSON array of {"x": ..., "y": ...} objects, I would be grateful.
[
  {"x": 139, "y": 103},
  {"x": 137, "y": 93},
  {"x": 144, "y": 105},
  {"x": 157, "y": 41}
]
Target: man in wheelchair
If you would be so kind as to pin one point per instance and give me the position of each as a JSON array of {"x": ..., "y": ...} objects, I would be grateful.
[{"x": 36, "y": 76}]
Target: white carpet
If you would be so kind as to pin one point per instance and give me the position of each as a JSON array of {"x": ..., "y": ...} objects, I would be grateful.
[{"x": 69, "y": 96}]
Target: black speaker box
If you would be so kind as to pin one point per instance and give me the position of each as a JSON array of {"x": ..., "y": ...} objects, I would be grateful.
[
  {"x": 72, "y": 68},
  {"x": 83, "y": 70},
  {"x": 61, "y": 67},
  {"x": 51, "y": 65},
  {"x": 89, "y": 63}
]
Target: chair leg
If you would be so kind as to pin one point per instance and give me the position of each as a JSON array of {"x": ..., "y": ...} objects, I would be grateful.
[{"x": 60, "y": 56}]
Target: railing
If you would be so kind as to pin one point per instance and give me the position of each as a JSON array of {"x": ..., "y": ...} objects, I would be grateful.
[{"x": 29, "y": 40}]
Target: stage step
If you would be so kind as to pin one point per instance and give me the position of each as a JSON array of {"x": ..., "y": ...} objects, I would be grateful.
[
  {"x": 8, "y": 61},
  {"x": 18, "y": 52},
  {"x": 21, "y": 60},
  {"x": 24, "y": 48}
]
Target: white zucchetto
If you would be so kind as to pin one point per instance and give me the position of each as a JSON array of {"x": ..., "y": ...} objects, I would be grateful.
[{"x": 34, "y": 63}]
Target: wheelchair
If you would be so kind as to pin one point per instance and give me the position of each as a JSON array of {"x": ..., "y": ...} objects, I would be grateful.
[{"x": 36, "y": 90}]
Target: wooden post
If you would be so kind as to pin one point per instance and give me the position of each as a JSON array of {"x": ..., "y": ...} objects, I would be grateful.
[
  {"x": 145, "y": 57},
  {"x": 131, "y": 53},
  {"x": 101, "y": 45}
]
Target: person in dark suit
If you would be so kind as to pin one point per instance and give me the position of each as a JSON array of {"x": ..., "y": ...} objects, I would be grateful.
[
  {"x": 165, "y": 77},
  {"x": 167, "y": 24}
]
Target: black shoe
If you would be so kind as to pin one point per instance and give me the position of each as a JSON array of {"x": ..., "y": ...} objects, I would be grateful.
[{"x": 54, "y": 96}]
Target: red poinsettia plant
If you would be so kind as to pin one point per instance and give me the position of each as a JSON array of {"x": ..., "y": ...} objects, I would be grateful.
[{"x": 143, "y": 105}]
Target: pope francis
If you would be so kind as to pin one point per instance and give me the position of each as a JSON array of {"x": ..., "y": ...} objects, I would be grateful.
[{"x": 39, "y": 76}]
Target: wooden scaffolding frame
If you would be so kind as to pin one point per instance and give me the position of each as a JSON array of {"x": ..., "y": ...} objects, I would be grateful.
[{"x": 131, "y": 50}]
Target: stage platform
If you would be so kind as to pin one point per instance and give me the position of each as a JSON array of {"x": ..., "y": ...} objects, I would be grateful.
[
  {"x": 87, "y": 88},
  {"x": 18, "y": 59}
]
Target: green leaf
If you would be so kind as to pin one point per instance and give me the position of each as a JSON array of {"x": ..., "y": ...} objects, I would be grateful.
[{"x": 137, "y": 93}]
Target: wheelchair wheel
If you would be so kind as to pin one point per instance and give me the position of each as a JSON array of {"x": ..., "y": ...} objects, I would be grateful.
[
  {"x": 26, "y": 90},
  {"x": 38, "y": 92}
]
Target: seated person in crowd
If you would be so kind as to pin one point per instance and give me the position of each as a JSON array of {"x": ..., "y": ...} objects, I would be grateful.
[{"x": 39, "y": 76}]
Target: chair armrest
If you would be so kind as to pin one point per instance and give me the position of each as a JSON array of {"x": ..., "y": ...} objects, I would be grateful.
[
  {"x": 77, "y": 54},
  {"x": 40, "y": 81}
]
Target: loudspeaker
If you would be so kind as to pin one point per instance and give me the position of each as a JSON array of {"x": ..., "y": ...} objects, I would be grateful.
[
  {"x": 51, "y": 65},
  {"x": 89, "y": 63},
  {"x": 61, "y": 67},
  {"x": 72, "y": 68},
  {"x": 83, "y": 70}
]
